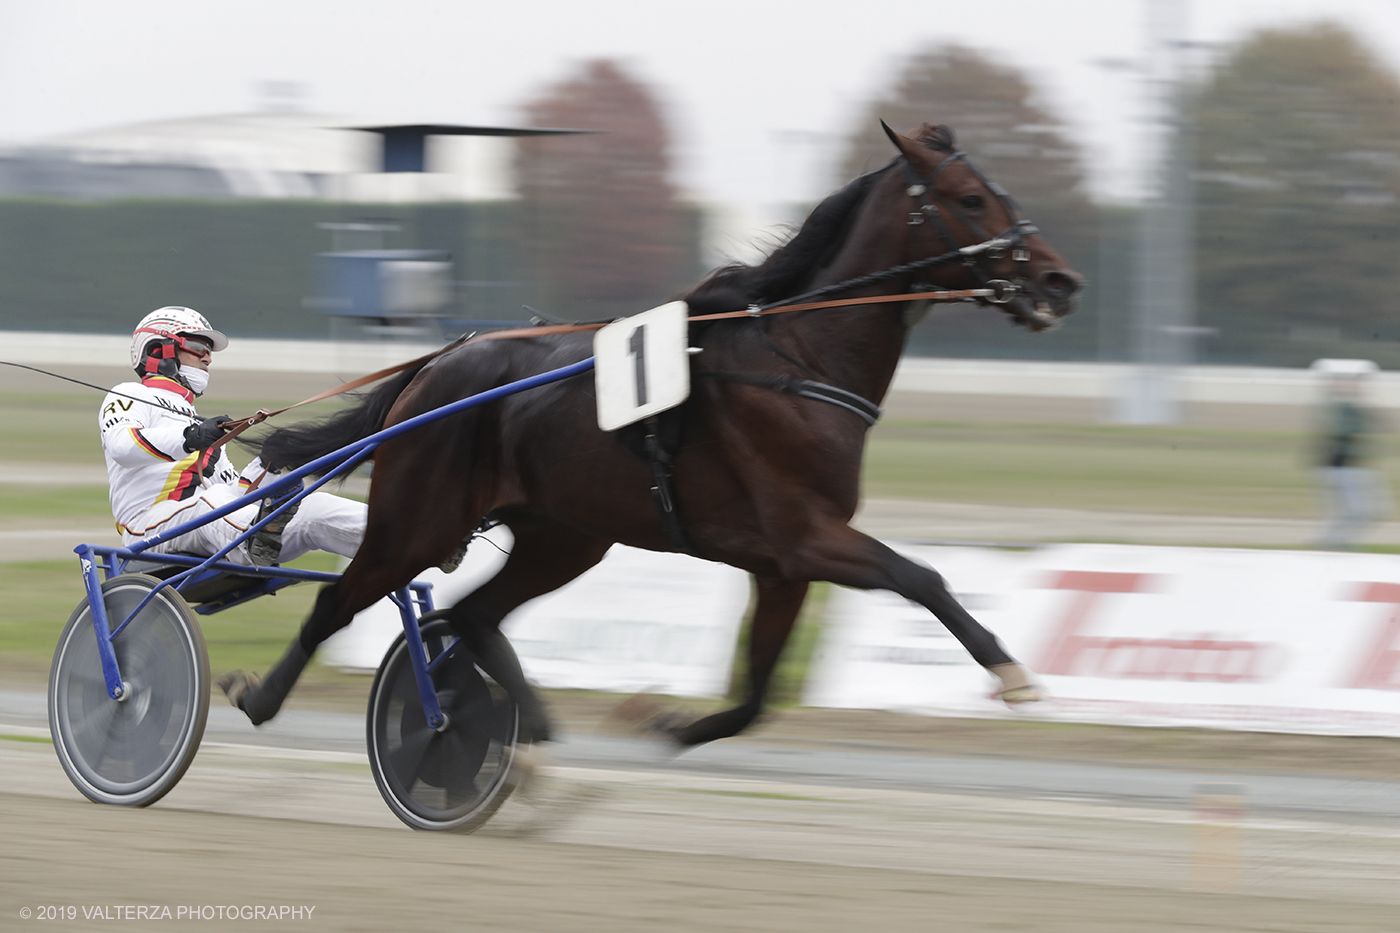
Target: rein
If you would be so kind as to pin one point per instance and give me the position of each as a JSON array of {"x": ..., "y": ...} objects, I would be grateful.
[
  {"x": 997, "y": 291},
  {"x": 237, "y": 427},
  {"x": 994, "y": 291}
]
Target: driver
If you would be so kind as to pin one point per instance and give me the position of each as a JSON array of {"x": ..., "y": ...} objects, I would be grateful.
[{"x": 162, "y": 472}]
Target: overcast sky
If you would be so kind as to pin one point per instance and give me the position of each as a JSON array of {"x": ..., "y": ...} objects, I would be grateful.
[{"x": 756, "y": 90}]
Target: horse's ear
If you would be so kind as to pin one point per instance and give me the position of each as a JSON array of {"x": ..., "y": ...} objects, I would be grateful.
[
  {"x": 911, "y": 149},
  {"x": 904, "y": 144},
  {"x": 894, "y": 137}
]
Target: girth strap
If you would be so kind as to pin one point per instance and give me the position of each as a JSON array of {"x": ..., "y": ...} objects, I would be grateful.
[
  {"x": 806, "y": 388},
  {"x": 660, "y": 460}
]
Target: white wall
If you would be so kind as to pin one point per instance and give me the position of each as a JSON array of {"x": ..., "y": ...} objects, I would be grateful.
[{"x": 1085, "y": 381}]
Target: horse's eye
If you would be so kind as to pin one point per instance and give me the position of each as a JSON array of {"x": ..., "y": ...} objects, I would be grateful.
[{"x": 972, "y": 202}]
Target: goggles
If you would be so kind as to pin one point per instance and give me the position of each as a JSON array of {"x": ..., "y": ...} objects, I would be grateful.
[{"x": 197, "y": 347}]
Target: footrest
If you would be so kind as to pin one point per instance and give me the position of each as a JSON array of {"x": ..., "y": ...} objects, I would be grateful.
[{"x": 211, "y": 586}]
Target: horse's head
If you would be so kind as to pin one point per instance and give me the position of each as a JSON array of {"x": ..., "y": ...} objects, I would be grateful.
[{"x": 953, "y": 206}]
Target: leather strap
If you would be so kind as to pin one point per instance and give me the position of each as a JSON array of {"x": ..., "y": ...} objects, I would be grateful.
[
  {"x": 262, "y": 414},
  {"x": 806, "y": 388},
  {"x": 240, "y": 425},
  {"x": 545, "y": 330},
  {"x": 662, "y": 494}
]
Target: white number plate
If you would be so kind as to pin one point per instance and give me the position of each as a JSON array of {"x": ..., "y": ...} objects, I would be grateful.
[{"x": 642, "y": 367}]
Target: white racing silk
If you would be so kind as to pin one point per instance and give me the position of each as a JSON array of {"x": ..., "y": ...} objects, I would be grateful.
[
  {"x": 149, "y": 472},
  {"x": 156, "y": 484}
]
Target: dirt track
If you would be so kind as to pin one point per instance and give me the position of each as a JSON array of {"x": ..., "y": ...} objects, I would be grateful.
[
  {"x": 659, "y": 851},
  {"x": 618, "y": 853}
]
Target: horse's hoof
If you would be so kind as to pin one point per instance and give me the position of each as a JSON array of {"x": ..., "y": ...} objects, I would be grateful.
[
  {"x": 636, "y": 713},
  {"x": 1017, "y": 688},
  {"x": 1016, "y": 696},
  {"x": 527, "y": 763},
  {"x": 236, "y": 684},
  {"x": 643, "y": 715}
]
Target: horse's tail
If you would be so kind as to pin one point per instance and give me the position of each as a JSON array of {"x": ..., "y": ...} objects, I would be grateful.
[{"x": 289, "y": 448}]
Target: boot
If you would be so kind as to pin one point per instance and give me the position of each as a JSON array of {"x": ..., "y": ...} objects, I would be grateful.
[{"x": 265, "y": 547}]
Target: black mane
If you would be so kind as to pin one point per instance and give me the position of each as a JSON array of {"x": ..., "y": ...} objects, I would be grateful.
[{"x": 791, "y": 265}]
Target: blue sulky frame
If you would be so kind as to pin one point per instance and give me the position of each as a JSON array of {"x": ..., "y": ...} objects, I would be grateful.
[{"x": 413, "y": 601}]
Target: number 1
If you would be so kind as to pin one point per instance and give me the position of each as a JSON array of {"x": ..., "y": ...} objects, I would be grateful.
[{"x": 637, "y": 347}]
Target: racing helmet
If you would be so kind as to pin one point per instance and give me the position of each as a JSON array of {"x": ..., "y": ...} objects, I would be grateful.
[{"x": 168, "y": 323}]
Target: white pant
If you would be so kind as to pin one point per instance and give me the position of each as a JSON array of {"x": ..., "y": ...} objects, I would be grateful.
[{"x": 323, "y": 522}]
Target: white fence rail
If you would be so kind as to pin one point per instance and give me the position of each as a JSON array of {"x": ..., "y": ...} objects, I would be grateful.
[{"x": 1211, "y": 384}]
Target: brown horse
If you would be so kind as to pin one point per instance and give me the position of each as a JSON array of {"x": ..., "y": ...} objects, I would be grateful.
[{"x": 764, "y": 479}]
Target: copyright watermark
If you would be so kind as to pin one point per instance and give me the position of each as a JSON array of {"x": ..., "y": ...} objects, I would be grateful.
[{"x": 165, "y": 912}]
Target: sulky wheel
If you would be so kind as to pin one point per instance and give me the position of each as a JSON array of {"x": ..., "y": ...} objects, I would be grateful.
[
  {"x": 133, "y": 750},
  {"x": 453, "y": 779}
]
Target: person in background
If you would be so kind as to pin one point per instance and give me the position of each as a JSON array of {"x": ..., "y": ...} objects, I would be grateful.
[{"x": 1353, "y": 495}]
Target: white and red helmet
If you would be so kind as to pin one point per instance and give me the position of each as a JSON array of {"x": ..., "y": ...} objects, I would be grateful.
[{"x": 166, "y": 324}]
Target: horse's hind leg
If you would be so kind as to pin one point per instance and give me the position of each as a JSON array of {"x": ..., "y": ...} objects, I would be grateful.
[
  {"x": 775, "y": 611},
  {"x": 544, "y": 557},
  {"x": 384, "y": 563},
  {"x": 360, "y": 586}
]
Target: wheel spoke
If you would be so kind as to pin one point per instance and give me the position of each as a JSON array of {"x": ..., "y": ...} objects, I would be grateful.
[
  {"x": 464, "y": 763},
  {"x": 407, "y": 759},
  {"x": 96, "y": 721},
  {"x": 405, "y": 688},
  {"x": 475, "y": 713}
]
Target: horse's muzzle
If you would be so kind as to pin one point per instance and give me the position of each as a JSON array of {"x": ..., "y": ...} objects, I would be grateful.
[{"x": 1052, "y": 296}]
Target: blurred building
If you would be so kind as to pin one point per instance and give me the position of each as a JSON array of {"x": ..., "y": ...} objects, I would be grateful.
[
  {"x": 248, "y": 218},
  {"x": 298, "y": 156}
]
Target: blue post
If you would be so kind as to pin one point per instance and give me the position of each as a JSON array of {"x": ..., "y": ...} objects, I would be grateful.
[
  {"x": 414, "y": 637},
  {"x": 97, "y": 609}
]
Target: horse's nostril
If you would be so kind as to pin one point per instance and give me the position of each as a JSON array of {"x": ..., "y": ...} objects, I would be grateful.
[{"x": 1060, "y": 284}]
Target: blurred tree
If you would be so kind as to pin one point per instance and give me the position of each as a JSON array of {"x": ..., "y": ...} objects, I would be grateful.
[
  {"x": 1016, "y": 141},
  {"x": 1298, "y": 172},
  {"x": 599, "y": 211}
]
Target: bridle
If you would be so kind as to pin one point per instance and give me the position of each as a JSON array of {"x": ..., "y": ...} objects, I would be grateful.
[{"x": 932, "y": 208}]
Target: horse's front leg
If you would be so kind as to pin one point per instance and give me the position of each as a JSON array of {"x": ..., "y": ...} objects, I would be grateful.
[
  {"x": 775, "y": 611},
  {"x": 847, "y": 557}
]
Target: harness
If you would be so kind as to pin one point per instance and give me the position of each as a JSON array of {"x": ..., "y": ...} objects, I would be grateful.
[
  {"x": 975, "y": 258},
  {"x": 657, "y": 439},
  {"x": 661, "y": 440},
  {"x": 806, "y": 388},
  {"x": 1013, "y": 237}
]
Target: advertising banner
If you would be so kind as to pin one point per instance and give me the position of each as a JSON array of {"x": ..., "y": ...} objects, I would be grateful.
[{"x": 1261, "y": 640}]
